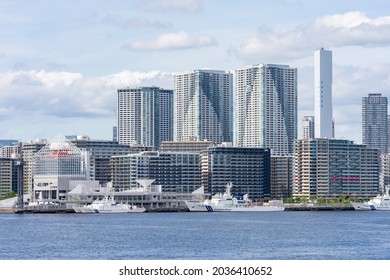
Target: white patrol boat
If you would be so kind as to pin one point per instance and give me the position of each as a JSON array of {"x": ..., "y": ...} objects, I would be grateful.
[
  {"x": 225, "y": 202},
  {"x": 380, "y": 203},
  {"x": 107, "y": 205}
]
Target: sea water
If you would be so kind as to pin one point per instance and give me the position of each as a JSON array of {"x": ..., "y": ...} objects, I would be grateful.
[{"x": 311, "y": 235}]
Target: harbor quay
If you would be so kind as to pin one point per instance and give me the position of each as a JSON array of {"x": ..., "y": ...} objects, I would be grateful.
[{"x": 164, "y": 208}]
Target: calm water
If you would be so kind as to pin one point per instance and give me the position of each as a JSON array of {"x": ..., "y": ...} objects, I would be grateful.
[{"x": 330, "y": 235}]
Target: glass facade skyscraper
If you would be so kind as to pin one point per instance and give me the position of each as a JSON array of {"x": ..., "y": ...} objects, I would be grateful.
[
  {"x": 144, "y": 116},
  {"x": 266, "y": 107},
  {"x": 203, "y": 106},
  {"x": 374, "y": 122}
]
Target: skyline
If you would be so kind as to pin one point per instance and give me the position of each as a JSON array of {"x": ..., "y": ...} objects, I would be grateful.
[{"x": 61, "y": 63}]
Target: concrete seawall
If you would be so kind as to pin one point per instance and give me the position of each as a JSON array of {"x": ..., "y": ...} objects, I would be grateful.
[
  {"x": 319, "y": 207},
  {"x": 8, "y": 210}
]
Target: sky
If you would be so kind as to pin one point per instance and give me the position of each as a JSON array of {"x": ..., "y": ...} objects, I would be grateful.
[{"x": 61, "y": 62}]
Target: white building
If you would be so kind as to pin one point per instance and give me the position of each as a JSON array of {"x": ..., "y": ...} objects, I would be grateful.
[
  {"x": 203, "y": 106},
  {"x": 307, "y": 127},
  {"x": 266, "y": 107},
  {"x": 323, "y": 94},
  {"x": 55, "y": 165}
]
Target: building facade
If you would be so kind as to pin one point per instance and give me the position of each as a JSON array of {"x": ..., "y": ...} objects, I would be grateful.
[
  {"x": 55, "y": 165},
  {"x": 385, "y": 172},
  {"x": 100, "y": 152},
  {"x": 203, "y": 106},
  {"x": 374, "y": 122},
  {"x": 144, "y": 116},
  {"x": 324, "y": 168},
  {"x": 8, "y": 176},
  {"x": 266, "y": 111},
  {"x": 175, "y": 172},
  {"x": 186, "y": 146},
  {"x": 281, "y": 177},
  {"x": 247, "y": 168},
  {"x": 29, "y": 150},
  {"x": 307, "y": 127},
  {"x": 323, "y": 111}
]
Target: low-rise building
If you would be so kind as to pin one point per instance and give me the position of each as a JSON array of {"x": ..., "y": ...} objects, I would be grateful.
[{"x": 247, "y": 168}]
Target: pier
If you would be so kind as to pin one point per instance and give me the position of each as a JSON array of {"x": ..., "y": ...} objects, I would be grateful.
[{"x": 318, "y": 207}]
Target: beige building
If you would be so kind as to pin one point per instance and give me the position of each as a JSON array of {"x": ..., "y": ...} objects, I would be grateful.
[{"x": 325, "y": 168}]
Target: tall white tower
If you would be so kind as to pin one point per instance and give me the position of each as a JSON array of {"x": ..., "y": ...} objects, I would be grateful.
[{"x": 323, "y": 93}]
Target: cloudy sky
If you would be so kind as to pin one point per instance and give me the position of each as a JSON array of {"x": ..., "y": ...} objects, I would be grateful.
[{"x": 62, "y": 61}]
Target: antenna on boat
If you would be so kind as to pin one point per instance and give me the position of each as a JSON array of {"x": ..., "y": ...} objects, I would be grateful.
[{"x": 229, "y": 186}]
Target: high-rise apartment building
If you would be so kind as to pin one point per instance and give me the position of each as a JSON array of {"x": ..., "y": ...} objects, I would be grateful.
[
  {"x": 323, "y": 94},
  {"x": 29, "y": 150},
  {"x": 144, "y": 116},
  {"x": 374, "y": 122},
  {"x": 8, "y": 176},
  {"x": 325, "y": 168},
  {"x": 385, "y": 172},
  {"x": 388, "y": 133},
  {"x": 266, "y": 111},
  {"x": 203, "y": 106},
  {"x": 307, "y": 127}
]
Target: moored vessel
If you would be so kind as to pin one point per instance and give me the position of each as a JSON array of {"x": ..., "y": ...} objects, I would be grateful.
[
  {"x": 107, "y": 205},
  {"x": 380, "y": 203},
  {"x": 361, "y": 206},
  {"x": 226, "y": 202}
]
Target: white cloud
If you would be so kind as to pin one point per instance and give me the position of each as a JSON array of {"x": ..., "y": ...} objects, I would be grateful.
[
  {"x": 133, "y": 22},
  {"x": 348, "y": 29},
  {"x": 65, "y": 94},
  {"x": 172, "y": 41},
  {"x": 350, "y": 84},
  {"x": 41, "y": 104},
  {"x": 187, "y": 6}
]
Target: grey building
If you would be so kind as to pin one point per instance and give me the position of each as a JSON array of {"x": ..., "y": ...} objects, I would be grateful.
[
  {"x": 203, "y": 106},
  {"x": 281, "y": 176},
  {"x": 186, "y": 146},
  {"x": 100, "y": 153},
  {"x": 144, "y": 116},
  {"x": 176, "y": 172},
  {"x": 247, "y": 168},
  {"x": 266, "y": 111},
  {"x": 374, "y": 122},
  {"x": 8, "y": 176}
]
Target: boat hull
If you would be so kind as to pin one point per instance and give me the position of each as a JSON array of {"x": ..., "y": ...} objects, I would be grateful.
[
  {"x": 108, "y": 208},
  {"x": 202, "y": 207},
  {"x": 361, "y": 206}
]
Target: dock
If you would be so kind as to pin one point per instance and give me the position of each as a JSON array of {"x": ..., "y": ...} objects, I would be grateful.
[
  {"x": 8, "y": 210},
  {"x": 63, "y": 210},
  {"x": 318, "y": 207}
]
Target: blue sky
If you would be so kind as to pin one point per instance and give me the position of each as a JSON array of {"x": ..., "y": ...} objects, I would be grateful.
[{"x": 62, "y": 61}]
